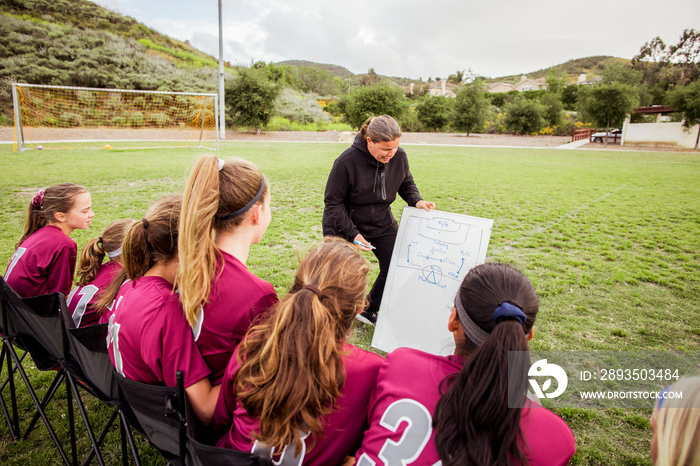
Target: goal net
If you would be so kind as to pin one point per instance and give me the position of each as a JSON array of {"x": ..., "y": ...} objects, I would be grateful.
[{"x": 61, "y": 117}]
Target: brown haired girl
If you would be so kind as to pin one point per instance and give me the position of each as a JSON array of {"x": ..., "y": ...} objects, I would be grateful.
[
  {"x": 149, "y": 339},
  {"x": 472, "y": 423},
  {"x": 45, "y": 258},
  {"x": 93, "y": 275},
  {"x": 226, "y": 209},
  {"x": 295, "y": 389},
  {"x": 361, "y": 186}
]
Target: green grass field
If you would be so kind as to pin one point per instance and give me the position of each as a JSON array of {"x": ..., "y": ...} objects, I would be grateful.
[{"x": 611, "y": 240}]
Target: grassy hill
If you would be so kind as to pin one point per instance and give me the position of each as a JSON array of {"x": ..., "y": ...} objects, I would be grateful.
[
  {"x": 332, "y": 69},
  {"x": 592, "y": 66}
]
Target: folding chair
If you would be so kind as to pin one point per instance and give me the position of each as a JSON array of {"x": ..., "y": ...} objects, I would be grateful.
[
  {"x": 89, "y": 349},
  {"x": 6, "y": 360},
  {"x": 160, "y": 412},
  {"x": 35, "y": 324},
  {"x": 202, "y": 452}
]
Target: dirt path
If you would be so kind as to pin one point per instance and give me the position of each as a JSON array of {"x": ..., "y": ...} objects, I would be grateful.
[{"x": 456, "y": 139}]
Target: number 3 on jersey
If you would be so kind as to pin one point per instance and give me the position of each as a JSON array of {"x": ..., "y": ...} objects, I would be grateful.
[{"x": 415, "y": 436}]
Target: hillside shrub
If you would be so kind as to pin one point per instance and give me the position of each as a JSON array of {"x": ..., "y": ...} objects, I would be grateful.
[
  {"x": 159, "y": 120},
  {"x": 524, "y": 116},
  {"x": 372, "y": 101},
  {"x": 136, "y": 120},
  {"x": 302, "y": 108},
  {"x": 434, "y": 112}
]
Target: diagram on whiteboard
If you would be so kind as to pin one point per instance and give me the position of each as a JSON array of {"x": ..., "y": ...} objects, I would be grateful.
[{"x": 433, "y": 252}]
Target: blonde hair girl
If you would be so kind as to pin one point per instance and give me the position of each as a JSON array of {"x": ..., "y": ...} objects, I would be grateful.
[
  {"x": 44, "y": 261},
  {"x": 94, "y": 276},
  {"x": 226, "y": 209},
  {"x": 295, "y": 387}
]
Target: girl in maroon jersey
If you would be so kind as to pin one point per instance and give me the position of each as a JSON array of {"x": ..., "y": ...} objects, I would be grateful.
[
  {"x": 93, "y": 275},
  {"x": 295, "y": 390},
  {"x": 149, "y": 339},
  {"x": 225, "y": 210},
  {"x": 44, "y": 261},
  {"x": 455, "y": 409}
]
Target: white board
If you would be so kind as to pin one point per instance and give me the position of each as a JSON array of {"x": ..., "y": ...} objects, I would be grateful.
[{"x": 433, "y": 252}]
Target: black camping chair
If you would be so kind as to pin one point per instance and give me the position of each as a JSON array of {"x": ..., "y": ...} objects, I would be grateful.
[
  {"x": 160, "y": 412},
  {"x": 89, "y": 349},
  {"x": 203, "y": 452},
  {"x": 35, "y": 324},
  {"x": 6, "y": 360}
]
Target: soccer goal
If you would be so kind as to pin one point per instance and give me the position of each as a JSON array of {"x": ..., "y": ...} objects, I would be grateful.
[{"x": 62, "y": 117}]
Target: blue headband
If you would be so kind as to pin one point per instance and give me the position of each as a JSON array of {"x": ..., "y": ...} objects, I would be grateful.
[
  {"x": 509, "y": 311},
  {"x": 243, "y": 210}
]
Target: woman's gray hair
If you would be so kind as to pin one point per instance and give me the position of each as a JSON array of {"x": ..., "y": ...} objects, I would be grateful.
[{"x": 380, "y": 129}]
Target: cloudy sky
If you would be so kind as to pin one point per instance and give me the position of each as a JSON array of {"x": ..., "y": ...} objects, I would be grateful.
[{"x": 418, "y": 39}]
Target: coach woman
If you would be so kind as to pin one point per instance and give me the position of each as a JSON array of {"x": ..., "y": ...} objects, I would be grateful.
[{"x": 361, "y": 186}]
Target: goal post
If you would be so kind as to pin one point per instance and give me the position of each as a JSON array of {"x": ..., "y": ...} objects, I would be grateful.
[{"x": 66, "y": 117}]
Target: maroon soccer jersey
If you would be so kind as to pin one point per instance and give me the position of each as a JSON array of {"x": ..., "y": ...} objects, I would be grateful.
[
  {"x": 402, "y": 407},
  {"x": 343, "y": 427},
  {"x": 149, "y": 338},
  {"x": 82, "y": 299},
  {"x": 43, "y": 263},
  {"x": 237, "y": 297}
]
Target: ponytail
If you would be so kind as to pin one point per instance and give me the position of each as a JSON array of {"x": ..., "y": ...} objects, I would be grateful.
[
  {"x": 91, "y": 257},
  {"x": 473, "y": 421},
  {"x": 216, "y": 196},
  {"x": 291, "y": 365},
  {"x": 198, "y": 253},
  {"x": 46, "y": 203},
  {"x": 149, "y": 241},
  {"x": 93, "y": 253}
]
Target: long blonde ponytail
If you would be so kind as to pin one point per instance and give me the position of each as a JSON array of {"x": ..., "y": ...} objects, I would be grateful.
[{"x": 213, "y": 189}]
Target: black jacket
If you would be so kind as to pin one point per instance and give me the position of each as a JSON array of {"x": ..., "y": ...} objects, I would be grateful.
[{"x": 360, "y": 190}]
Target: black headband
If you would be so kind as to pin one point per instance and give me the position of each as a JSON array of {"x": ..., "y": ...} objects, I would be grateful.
[{"x": 243, "y": 210}]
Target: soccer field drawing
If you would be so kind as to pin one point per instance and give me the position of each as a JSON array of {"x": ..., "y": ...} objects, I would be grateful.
[{"x": 433, "y": 252}]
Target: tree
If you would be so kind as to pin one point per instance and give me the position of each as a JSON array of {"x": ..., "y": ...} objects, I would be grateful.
[
  {"x": 434, "y": 112},
  {"x": 456, "y": 78},
  {"x": 524, "y": 116},
  {"x": 686, "y": 99},
  {"x": 569, "y": 96},
  {"x": 608, "y": 104},
  {"x": 371, "y": 101},
  {"x": 471, "y": 107},
  {"x": 251, "y": 98},
  {"x": 556, "y": 81},
  {"x": 676, "y": 64},
  {"x": 552, "y": 108},
  {"x": 624, "y": 74}
]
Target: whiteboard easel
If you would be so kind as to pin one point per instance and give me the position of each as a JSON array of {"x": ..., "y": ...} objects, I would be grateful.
[{"x": 433, "y": 252}]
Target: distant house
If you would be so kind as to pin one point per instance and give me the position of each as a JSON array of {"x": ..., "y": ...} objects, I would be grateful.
[
  {"x": 442, "y": 87},
  {"x": 525, "y": 84},
  {"x": 501, "y": 87}
]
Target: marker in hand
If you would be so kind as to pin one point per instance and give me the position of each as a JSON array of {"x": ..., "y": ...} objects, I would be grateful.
[{"x": 360, "y": 243}]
